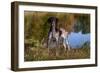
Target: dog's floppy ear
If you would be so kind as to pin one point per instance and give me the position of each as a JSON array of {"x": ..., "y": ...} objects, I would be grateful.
[
  {"x": 49, "y": 19},
  {"x": 56, "y": 20}
]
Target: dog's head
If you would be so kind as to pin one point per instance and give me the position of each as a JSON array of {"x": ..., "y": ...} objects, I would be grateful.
[{"x": 52, "y": 20}]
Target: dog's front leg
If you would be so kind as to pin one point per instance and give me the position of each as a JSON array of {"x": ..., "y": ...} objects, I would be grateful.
[
  {"x": 68, "y": 45},
  {"x": 64, "y": 46},
  {"x": 48, "y": 43}
]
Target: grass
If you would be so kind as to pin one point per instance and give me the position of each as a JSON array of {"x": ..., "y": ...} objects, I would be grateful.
[{"x": 41, "y": 54}]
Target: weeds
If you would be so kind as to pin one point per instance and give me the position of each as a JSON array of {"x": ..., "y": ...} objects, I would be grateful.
[{"x": 39, "y": 54}]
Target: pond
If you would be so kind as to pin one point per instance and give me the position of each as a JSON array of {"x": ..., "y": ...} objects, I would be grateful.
[{"x": 77, "y": 40}]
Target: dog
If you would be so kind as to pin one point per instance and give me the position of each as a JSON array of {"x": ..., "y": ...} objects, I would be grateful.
[
  {"x": 57, "y": 36},
  {"x": 53, "y": 34}
]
